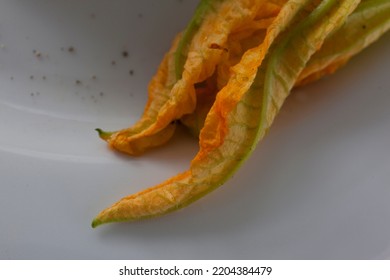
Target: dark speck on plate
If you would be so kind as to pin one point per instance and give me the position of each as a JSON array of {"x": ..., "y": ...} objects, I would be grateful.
[
  {"x": 125, "y": 54},
  {"x": 37, "y": 53}
]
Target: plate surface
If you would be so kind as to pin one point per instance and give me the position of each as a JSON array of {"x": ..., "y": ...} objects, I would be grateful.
[{"x": 317, "y": 187}]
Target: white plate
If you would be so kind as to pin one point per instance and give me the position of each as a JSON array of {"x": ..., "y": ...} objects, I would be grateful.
[{"x": 317, "y": 187}]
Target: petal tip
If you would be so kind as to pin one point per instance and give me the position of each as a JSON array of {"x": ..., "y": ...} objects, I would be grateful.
[
  {"x": 96, "y": 222},
  {"x": 105, "y": 135}
]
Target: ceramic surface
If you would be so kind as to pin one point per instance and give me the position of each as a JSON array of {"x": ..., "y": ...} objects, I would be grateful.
[{"x": 317, "y": 187}]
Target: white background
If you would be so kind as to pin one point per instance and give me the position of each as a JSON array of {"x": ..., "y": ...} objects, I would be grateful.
[{"x": 317, "y": 187}]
